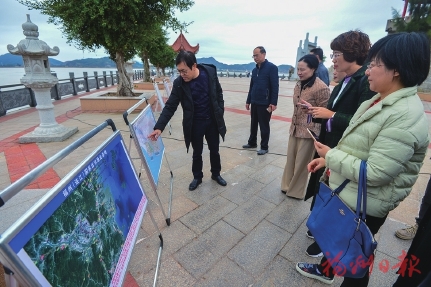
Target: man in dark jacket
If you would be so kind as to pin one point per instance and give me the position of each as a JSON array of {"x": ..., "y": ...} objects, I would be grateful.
[
  {"x": 263, "y": 97},
  {"x": 200, "y": 94},
  {"x": 322, "y": 71}
]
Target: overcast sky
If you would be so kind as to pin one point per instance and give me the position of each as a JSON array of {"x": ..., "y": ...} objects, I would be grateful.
[{"x": 228, "y": 30}]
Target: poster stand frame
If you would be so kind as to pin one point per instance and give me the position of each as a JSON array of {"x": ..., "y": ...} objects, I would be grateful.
[
  {"x": 168, "y": 87},
  {"x": 168, "y": 216},
  {"x": 162, "y": 103},
  {"x": 20, "y": 184}
]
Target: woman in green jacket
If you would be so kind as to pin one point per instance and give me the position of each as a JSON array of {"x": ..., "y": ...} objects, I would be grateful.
[{"x": 389, "y": 132}]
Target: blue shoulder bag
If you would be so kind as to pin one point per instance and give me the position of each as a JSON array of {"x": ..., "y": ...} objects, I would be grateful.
[{"x": 341, "y": 233}]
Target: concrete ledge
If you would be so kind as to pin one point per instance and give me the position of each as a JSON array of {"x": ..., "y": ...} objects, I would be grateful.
[
  {"x": 32, "y": 137},
  {"x": 148, "y": 85},
  {"x": 110, "y": 104}
]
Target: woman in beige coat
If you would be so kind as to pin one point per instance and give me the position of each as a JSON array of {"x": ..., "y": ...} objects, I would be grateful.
[{"x": 300, "y": 149}]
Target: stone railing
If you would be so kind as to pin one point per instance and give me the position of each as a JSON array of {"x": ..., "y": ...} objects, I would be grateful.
[
  {"x": 243, "y": 74},
  {"x": 16, "y": 96}
]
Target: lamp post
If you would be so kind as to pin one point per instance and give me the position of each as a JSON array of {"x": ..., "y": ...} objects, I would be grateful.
[{"x": 38, "y": 77}]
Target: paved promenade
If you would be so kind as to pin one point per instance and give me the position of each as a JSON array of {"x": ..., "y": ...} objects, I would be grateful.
[{"x": 245, "y": 234}]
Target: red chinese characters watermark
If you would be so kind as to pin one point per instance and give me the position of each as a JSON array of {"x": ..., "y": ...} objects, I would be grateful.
[{"x": 406, "y": 265}]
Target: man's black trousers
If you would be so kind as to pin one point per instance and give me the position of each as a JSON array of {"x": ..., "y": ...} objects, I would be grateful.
[
  {"x": 207, "y": 128},
  {"x": 261, "y": 117}
]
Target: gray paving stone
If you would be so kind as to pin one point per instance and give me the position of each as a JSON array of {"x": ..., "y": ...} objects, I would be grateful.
[
  {"x": 201, "y": 254},
  {"x": 380, "y": 276},
  {"x": 294, "y": 250},
  {"x": 206, "y": 191},
  {"x": 225, "y": 273},
  {"x": 238, "y": 173},
  {"x": 260, "y": 161},
  {"x": 18, "y": 205},
  {"x": 206, "y": 215},
  {"x": 267, "y": 173},
  {"x": 388, "y": 243},
  {"x": 170, "y": 274},
  {"x": 242, "y": 191},
  {"x": 281, "y": 160},
  {"x": 337, "y": 282},
  {"x": 272, "y": 192},
  {"x": 145, "y": 252},
  {"x": 156, "y": 211},
  {"x": 282, "y": 273},
  {"x": 246, "y": 216},
  {"x": 181, "y": 205},
  {"x": 256, "y": 251},
  {"x": 290, "y": 214}
]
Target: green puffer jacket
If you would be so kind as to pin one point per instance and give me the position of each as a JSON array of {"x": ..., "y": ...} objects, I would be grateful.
[{"x": 392, "y": 136}]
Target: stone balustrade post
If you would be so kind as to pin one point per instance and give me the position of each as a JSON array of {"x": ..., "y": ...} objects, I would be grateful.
[
  {"x": 112, "y": 77},
  {"x": 73, "y": 81},
  {"x": 87, "y": 88},
  {"x": 104, "y": 79},
  {"x": 96, "y": 77}
]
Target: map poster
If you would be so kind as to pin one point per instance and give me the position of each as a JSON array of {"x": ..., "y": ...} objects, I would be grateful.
[
  {"x": 151, "y": 152},
  {"x": 82, "y": 232}
]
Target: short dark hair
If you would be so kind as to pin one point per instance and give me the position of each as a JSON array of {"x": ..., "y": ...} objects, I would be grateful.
[
  {"x": 187, "y": 57},
  {"x": 354, "y": 45},
  {"x": 317, "y": 52},
  {"x": 262, "y": 49},
  {"x": 406, "y": 53},
  {"x": 310, "y": 60}
]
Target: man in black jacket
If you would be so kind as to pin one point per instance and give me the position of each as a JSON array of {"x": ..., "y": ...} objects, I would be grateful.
[
  {"x": 200, "y": 94},
  {"x": 263, "y": 97}
]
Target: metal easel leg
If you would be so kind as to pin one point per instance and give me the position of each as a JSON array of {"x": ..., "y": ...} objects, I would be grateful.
[
  {"x": 159, "y": 255},
  {"x": 168, "y": 220},
  {"x": 161, "y": 206},
  {"x": 129, "y": 151},
  {"x": 12, "y": 281}
]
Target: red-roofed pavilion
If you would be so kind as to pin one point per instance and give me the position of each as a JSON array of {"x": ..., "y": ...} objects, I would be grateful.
[{"x": 181, "y": 43}]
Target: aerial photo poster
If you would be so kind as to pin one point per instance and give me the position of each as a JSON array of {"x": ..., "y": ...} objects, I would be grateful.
[
  {"x": 151, "y": 152},
  {"x": 85, "y": 234}
]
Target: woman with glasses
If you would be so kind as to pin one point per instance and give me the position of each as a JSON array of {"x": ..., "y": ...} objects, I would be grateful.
[
  {"x": 300, "y": 150},
  {"x": 338, "y": 76},
  {"x": 350, "y": 50},
  {"x": 389, "y": 132}
]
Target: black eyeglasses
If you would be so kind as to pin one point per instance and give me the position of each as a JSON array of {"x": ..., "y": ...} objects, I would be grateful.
[
  {"x": 335, "y": 55},
  {"x": 182, "y": 72}
]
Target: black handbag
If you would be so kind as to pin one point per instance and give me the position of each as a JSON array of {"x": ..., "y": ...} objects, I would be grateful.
[{"x": 341, "y": 233}]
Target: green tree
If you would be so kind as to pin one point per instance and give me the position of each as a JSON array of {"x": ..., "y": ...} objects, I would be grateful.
[
  {"x": 115, "y": 25},
  {"x": 163, "y": 57},
  {"x": 419, "y": 20},
  {"x": 151, "y": 44}
]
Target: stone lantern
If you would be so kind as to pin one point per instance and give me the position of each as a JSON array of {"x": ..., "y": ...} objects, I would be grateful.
[{"x": 38, "y": 77}]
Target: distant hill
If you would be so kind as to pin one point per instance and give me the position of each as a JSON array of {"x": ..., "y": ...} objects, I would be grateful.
[
  {"x": 238, "y": 67},
  {"x": 9, "y": 60}
]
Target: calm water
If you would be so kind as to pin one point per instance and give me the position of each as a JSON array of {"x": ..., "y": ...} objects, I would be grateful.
[{"x": 11, "y": 76}]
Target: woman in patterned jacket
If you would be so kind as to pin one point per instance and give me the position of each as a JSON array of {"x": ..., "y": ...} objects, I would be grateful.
[{"x": 300, "y": 149}]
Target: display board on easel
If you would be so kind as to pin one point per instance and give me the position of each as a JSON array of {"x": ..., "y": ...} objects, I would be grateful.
[
  {"x": 161, "y": 101},
  {"x": 151, "y": 152},
  {"x": 82, "y": 232}
]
